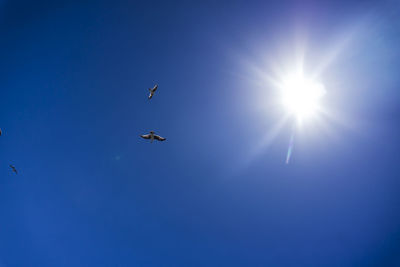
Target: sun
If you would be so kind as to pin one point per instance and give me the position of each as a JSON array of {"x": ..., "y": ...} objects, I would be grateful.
[{"x": 301, "y": 96}]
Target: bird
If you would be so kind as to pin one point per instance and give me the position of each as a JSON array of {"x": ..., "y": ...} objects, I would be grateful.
[
  {"x": 153, "y": 136},
  {"x": 152, "y": 91},
  {"x": 0, "y": 132},
  {"x": 13, "y": 169}
]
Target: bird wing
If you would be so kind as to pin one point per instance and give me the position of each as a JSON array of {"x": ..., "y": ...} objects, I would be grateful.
[
  {"x": 154, "y": 88},
  {"x": 13, "y": 168},
  {"x": 159, "y": 138},
  {"x": 146, "y": 136}
]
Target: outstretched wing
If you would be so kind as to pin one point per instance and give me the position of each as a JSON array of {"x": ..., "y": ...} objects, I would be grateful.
[
  {"x": 13, "y": 168},
  {"x": 152, "y": 91},
  {"x": 159, "y": 138},
  {"x": 146, "y": 136}
]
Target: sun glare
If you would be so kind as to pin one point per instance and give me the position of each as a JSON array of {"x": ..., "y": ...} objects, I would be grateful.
[{"x": 301, "y": 96}]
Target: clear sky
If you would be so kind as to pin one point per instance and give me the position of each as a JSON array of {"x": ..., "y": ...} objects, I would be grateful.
[{"x": 74, "y": 77}]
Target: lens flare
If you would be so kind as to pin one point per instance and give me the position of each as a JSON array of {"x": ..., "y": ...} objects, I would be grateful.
[{"x": 290, "y": 149}]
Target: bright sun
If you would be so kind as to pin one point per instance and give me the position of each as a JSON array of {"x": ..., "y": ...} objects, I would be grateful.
[{"x": 301, "y": 96}]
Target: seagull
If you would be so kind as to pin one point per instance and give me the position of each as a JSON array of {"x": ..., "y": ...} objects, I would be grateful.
[
  {"x": 152, "y": 136},
  {"x": 13, "y": 169},
  {"x": 152, "y": 91}
]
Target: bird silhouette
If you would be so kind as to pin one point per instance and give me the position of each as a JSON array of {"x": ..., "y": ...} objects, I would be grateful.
[
  {"x": 13, "y": 169},
  {"x": 152, "y": 91},
  {"x": 152, "y": 136}
]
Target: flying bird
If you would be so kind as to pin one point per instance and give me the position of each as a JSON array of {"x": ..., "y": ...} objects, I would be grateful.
[
  {"x": 13, "y": 169},
  {"x": 153, "y": 136},
  {"x": 152, "y": 91},
  {"x": 0, "y": 132}
]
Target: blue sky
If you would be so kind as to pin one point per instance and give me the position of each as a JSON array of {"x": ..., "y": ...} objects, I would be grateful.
[{"x": 89, "y": 192}]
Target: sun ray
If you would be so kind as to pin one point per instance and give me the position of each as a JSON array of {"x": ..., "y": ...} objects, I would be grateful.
[{"x": 268, "y": 139}]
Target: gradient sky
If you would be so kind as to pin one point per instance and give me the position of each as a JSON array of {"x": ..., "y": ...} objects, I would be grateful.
[{"x": 90, "y": 192}]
